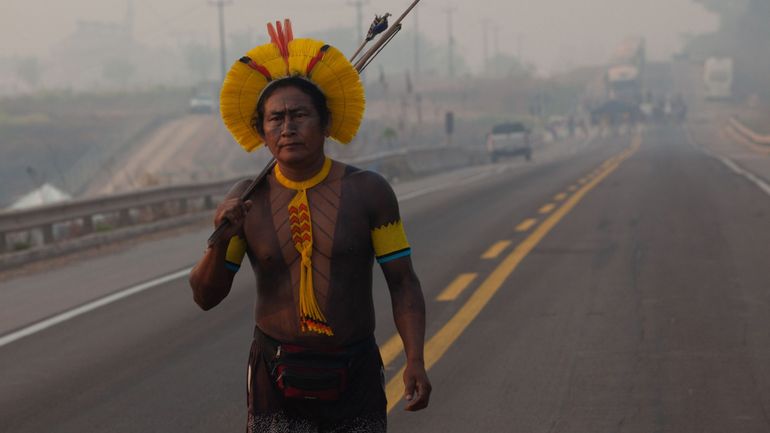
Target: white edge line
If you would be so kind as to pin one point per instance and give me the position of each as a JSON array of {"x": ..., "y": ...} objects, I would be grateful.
[
  {"x": 732, "y": 165},
  {"x": 70, "y": 314},
  {"x": 465, "y": 181}
]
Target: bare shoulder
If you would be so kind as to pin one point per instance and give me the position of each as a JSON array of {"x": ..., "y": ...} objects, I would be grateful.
[
  {"x": 376, "y": 194},
  {"x": 368, "y": 182}
]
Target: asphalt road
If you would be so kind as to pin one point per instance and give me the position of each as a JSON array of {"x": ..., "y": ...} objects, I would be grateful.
[{"x": 621, "y": 289}]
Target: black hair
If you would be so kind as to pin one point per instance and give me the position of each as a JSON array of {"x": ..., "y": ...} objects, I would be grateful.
[{"x": 304, "y": 85}]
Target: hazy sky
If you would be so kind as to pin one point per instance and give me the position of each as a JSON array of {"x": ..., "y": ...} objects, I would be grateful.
[{"x": 554, "y": 34}]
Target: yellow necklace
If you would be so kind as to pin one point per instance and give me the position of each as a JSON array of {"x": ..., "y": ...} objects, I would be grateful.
[
  {"x": 304, "y": 184},
  {"x": 311, "y": 318}
]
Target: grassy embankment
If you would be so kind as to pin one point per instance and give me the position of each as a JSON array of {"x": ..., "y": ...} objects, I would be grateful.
[{"x": 66, "y": 138}]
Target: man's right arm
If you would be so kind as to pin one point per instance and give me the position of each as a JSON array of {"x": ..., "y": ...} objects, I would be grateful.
[{"x": 211, "y": 279}]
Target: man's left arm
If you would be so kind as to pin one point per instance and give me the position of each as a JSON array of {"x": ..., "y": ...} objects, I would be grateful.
[
  {"x": 394, "y": 256},
  {"x": 409, "y": 315}
]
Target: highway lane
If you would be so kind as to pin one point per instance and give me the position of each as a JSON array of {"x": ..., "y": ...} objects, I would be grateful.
[
  {"x": 644, "y": 310},
  {"x": 626, "y": 315}
]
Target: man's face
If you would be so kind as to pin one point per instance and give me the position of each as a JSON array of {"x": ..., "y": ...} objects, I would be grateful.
[{"x": 292, "y": 125}]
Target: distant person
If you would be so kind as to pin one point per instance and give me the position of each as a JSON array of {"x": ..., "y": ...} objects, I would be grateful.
[{"x": 312, "y": 231}]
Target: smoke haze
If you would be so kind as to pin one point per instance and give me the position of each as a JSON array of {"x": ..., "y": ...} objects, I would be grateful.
[{"x": 553, "y": 35}]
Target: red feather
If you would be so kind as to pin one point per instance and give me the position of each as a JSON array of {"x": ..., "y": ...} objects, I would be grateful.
[
  {"x": 289, "y": 31},
  {"x": 273, "y": 36}
]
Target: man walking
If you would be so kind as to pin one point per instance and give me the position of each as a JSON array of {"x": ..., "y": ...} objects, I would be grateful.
[{"x": 312, "y": 231}]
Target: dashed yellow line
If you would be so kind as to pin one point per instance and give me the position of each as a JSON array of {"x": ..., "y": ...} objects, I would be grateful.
[
  {"x": 572, "y": 188},
  {"x": 560, "y": 196},
  {"x": 526, "y": 225},
  {"x": 494, "y": 251},
  {"x": 440, "y": 342},
  {"x": 456, "y": 287},
  {"x": 547, "y": 208}
]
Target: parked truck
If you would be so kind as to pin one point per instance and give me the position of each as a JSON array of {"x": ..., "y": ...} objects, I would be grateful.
[{"x": 623, "y": 84}]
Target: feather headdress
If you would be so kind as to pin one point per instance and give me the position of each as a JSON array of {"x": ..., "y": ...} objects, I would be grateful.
[{"x": 323, "y": 65}]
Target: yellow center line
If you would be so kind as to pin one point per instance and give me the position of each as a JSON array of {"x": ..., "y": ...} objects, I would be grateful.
[
  {"x": 495, "y": 250},
  {"x": 526, "y": 225},
  {"x": 572, "y": 188},
  {"x": 446, "y": 336},
  {"x": 391, "y": 349},
  {"x": 456, "y": 287},
  {"x": 547, "y": 208},
  {"x": 560, "y": 196}
]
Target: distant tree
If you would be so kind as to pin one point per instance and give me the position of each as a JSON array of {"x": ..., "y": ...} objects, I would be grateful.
[
  {"x": 28, "y": 70},
  {"x": 389, "y": 137},
  {"x": 118, "y": 71},
  {"x": 729, "y": 11},
  {"x": 509, "y": 66},
  {"x": 744, "y": 36}
]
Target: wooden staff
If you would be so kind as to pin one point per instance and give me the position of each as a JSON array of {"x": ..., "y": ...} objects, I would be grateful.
[{"x": 224, "y": 223}]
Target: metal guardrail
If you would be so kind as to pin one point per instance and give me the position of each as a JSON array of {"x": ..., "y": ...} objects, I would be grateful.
[
  {"x": 83, "y": 212},
  {"x": 44, "y": 218},
  {"x": 746, "y": 132}
]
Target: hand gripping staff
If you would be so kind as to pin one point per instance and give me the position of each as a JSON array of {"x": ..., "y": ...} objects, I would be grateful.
[{"x": 379, "y": 26}]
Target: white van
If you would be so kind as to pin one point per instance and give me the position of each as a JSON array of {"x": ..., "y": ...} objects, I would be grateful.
[{"x": 718, "y": 77}]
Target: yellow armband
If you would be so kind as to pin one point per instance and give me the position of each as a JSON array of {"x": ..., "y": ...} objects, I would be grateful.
[
  {"x": 390, "y": 242},
  {"x": 236, "y": 249}
]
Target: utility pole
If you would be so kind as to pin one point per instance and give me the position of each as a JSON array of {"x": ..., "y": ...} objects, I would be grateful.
[
  {"x": 496, "y": 65},
  {"x": 496, "y": 30},
  {"x": 449, "y": 11},
  {"x": 416, "y": 44},
  {"x": 129, "y": 24},
  {"x": 484, "y": 29},
  {"x": 220, "y": 4}
]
